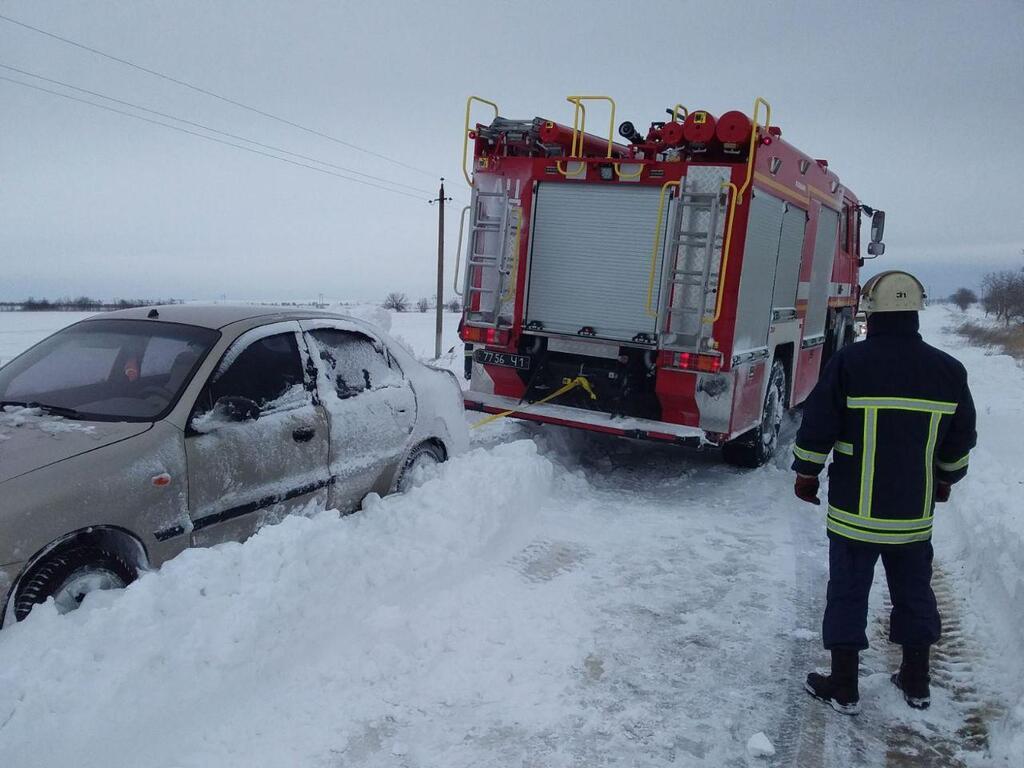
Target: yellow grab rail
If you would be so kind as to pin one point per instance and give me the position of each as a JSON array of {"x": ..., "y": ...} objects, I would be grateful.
[
  {"x": 578, "y": 100},
  {"x": 465, "y": 132},
  {"x": 725, "y": 251},
  {"x": 458, "y": 251},
  {"x": 578, "y": 113},
  {"x": 657, "y": 241},
  {"x": 565, "y": 172},
  {"x": 579, "y": 130},
  {"x": 628, "y": 176},
  {"x": 675, "y": 112},
  {"x": 753, "y": 144},
  {"x": 579, "y": 124},
  {"x": 515, "y": 255}
]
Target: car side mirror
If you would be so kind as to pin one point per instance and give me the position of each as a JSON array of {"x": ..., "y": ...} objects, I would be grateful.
[
  {"x": 876, "y": 249},
  {"x": 236, "y": 408}
]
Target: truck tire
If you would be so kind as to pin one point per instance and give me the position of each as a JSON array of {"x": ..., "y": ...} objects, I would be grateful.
[
  {"x": 68, "y": 575},
  {"x": 756, "y": 447}
]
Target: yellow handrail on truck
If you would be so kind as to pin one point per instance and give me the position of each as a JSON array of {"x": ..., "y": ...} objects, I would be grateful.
[
  {"x": 737, "y": 195},
  {"x": 675, "y": 112},
  {"x": 465, "y": 132},
  {"x": 458, "y": 251},
  {"x": 725, "y": 251},
  {"x": 657, "y": 241},
  {"x": 753, "y": 144},
  {"x": 579, "y": 129}
]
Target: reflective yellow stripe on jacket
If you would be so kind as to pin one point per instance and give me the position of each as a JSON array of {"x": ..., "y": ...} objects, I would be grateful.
[
  {"x": 877, "y": 537},
  {"x": 953, "y": 466},
  {"x": 862, "y": 526},
  {"x": 820, "y": 458},
  {"x": 812, "y": 456}
]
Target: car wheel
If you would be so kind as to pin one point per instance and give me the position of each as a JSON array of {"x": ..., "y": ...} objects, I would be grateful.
[
  {"x": 69, "y": 575},
  {"x": 423, "y": 456},
  {"x": 756, "y": 447}
]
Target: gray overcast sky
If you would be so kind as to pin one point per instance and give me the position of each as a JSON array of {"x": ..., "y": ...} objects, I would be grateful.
[{"x": 918, "y": 106}]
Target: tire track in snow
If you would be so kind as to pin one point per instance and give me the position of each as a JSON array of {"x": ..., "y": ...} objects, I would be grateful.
[
  {"x": 953, "y": 659},
  {"x": 802, "y": 729}
]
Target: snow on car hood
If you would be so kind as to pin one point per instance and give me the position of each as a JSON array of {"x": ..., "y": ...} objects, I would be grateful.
[{"x": 31, "y": 439}]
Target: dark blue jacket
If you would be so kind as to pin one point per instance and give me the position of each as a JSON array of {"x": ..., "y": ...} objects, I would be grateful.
[{"x": 898, "y": 417}]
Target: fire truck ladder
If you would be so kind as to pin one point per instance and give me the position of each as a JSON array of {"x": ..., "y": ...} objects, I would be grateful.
[
  {"x": 690, "y": 277},
  {"x": 490, "y": 261}
]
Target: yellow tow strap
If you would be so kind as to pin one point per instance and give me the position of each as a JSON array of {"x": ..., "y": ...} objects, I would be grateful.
[{"x": 568, "y": 384}]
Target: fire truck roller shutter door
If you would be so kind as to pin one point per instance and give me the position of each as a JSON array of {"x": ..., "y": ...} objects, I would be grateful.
[
  {"x": 590, "y": 259},
  {"x": 821, "y": 272},
  {"x": 787, "y": 275},
  {"x": 760, "y": 256}
]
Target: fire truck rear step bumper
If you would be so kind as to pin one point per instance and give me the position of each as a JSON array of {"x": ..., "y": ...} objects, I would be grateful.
[{"x": 596, "y": 421}]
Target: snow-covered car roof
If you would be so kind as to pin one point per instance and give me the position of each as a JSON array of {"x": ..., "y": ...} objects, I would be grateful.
[{"x": 216, "y": 316}]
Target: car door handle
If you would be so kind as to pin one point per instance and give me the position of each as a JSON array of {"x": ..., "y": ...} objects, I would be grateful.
[{"x": 303, "y": 434}]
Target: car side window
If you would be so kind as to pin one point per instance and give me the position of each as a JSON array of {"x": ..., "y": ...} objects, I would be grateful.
[
  {"x": 265, "y": 372},
  {"x": 354, "y": 363}
]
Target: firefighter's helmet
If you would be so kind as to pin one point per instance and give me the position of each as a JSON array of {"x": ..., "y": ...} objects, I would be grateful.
[{"x": 892, "y": 291}]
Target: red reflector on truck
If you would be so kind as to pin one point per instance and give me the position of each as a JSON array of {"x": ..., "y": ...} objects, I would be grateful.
[
  {"x": 484, "y": 335},
  {"x": 691, "y": 361}
]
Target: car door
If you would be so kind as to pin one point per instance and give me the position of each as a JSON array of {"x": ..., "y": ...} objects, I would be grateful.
[
  {"x": 371, "y": 408},
  {"x": 257, "y": 444}
]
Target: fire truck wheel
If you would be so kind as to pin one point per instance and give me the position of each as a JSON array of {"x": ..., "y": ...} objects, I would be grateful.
[{"x": 756, "y": 447}]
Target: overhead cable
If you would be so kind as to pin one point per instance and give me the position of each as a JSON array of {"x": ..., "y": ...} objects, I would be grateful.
[
  {"x": 206, "y": 92},
  {"x": 208, "y": 138},
  {"x": 210, "y": 129}
]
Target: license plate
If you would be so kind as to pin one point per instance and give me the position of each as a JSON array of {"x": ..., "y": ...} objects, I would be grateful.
[{"x": 487, "y": 357}]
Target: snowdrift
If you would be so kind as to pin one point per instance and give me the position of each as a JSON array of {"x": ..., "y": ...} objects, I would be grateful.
[
  {"x": 981, "y": 530},
  {"x": 279, "y": 644}
]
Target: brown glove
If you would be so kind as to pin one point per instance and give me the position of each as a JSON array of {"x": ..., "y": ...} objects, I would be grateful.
[
  {"x": 942, "y": 491},
  {"x": 806, "y": 488}
]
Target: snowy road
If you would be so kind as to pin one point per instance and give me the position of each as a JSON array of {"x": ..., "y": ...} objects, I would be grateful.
[{"x": 550, "y": 599}]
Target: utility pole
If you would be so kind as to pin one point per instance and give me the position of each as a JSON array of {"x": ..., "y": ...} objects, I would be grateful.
[{"x": 440, "y": 200}]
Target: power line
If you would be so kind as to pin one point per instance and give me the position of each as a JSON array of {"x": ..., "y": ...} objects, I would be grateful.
[
  {"x": 208, "y": 128},
  {"x": 214, "y": 95},
  {"x": 208, "y": 138}
]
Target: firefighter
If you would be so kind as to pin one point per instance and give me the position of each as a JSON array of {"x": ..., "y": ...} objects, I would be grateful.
[{"x": 897, "y": 416}]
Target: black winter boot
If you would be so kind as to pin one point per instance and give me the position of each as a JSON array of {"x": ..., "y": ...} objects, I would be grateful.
[
  {"x": 839, "y": 689},
  {"x": 913, "y": 678}
]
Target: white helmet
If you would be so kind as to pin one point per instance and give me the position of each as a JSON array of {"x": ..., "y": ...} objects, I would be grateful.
[{"x": 892, "y": 291}]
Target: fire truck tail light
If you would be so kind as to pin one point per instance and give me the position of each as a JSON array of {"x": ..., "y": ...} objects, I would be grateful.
[
  {"x": 693, "y": 362},
  {"x": 485, "y": 336}
]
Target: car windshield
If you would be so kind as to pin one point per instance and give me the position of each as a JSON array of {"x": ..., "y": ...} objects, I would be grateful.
[{"x": 124, "y": 370}]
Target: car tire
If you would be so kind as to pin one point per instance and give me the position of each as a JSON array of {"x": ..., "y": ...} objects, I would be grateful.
[
  {"x": 68, "y": 575},
  {"x": 422, "y": 456},
  {"x": 756, "y": 447}
]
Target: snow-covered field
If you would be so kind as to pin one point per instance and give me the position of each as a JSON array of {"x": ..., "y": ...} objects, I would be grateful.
[
  {"x": 20, "y": 330},
  {"x": 549, "y": 599}
]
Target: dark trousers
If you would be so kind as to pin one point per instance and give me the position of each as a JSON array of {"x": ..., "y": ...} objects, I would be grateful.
[{"x": 908, "y": 569}]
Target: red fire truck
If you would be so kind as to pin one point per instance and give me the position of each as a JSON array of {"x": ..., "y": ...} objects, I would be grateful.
[{"x": 684, "y": 285}]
